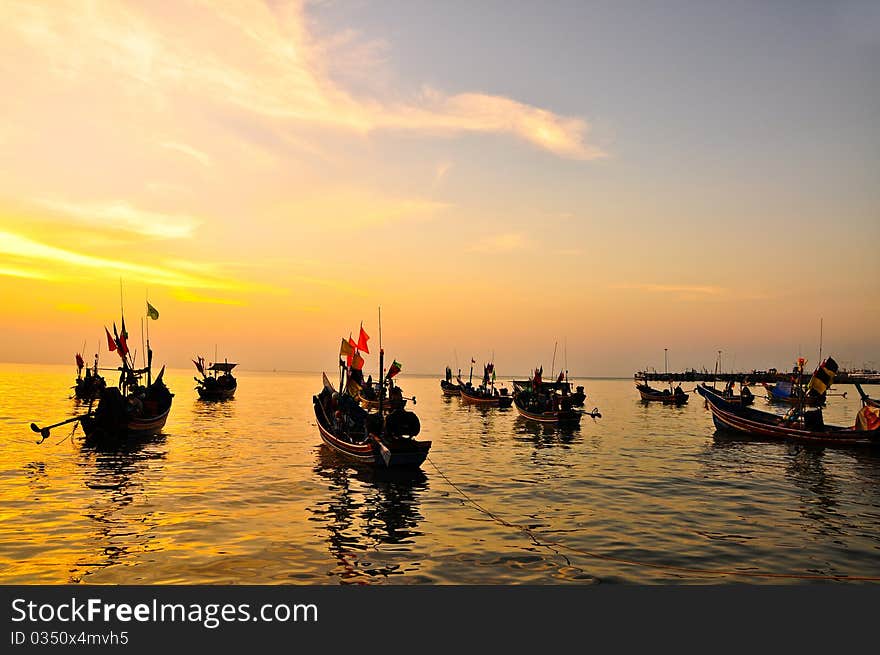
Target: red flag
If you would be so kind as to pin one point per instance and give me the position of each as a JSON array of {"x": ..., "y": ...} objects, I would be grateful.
[
  {"x": 79, "y": 361},
  {"x": 561, "y": 376},
  {"x": 111, "y": 345},
  {"x": 353, "y": 349},
  {"x": 362, "y": 341},
  {"x": 357, "y": 362},
  {"x": 123, "y": 345}
]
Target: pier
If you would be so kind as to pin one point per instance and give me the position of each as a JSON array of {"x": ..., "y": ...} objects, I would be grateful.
[{"x": 752, "y": 377}]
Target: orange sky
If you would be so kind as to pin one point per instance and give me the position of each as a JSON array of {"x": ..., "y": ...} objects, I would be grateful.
[{"x": 272, "y": 174}]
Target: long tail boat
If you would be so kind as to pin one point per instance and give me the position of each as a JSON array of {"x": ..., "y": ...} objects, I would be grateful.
[
  {"x": 743, "y": 398},
  {"x": 485, "y": 394},
  {"x": 90, "y": 384},
  {"x": 448, "y": 386},
  {"x": 805, "y": 426},
  {"x": 543, "y": 405},
  {"x": 379, "y": 439},
  {"x": 667, "y": 397},
  {"x": 129, "y": 411},
  {"x": 212, "y": 386},
  {"x": 813, "y": 394}
]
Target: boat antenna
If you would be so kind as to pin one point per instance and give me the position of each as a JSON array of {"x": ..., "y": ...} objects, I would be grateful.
[{"x": 820, "y": 340}]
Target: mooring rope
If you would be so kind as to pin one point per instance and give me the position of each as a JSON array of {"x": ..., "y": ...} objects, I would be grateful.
[{"x": 552, "y": 545}]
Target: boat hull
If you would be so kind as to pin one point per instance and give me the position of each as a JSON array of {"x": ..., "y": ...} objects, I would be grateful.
[
  {"x": 400, "y": 453},
  {"x": 481, "y": 401},
  {"x": 216, "y": 394},
  {"x": 728, "y": 417},
  {"x": 569, "y": 417},
  {"x": 135, "y": 428},
  {"x": 450, "y": 389},
  {"x": 666, "y": 398}
]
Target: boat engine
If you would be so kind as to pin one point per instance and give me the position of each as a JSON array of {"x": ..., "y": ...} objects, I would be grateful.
[{"x": 401, "y": 422}]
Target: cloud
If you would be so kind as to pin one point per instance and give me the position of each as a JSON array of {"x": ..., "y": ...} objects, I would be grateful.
[
  {"x": 501, "y": 243},
  {"x": 263, "y": 59},
  {"x": 35, "y": 252},
  {"x": 24, "y": 273},
  {"x": 124, "y": 217}
]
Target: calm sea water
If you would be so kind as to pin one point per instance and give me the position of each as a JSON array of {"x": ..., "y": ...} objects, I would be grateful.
[{"x": 243, "y": 492}]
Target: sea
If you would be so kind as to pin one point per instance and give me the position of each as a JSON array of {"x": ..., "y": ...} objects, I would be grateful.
[{"x": 243, "y": 492}]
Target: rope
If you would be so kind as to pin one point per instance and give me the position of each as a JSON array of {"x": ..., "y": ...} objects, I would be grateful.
[{"x": 553, "y": 545}]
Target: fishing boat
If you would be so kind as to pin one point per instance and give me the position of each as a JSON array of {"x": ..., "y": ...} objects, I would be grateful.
[
  {"x": 213, "y": 385},
  {"x": 813, "y": 394},
  {"x": 448, "y": 386},
  {"x": 485, "y": 394},
  {"x": 90, "y": 384},
  {"x": 744, "y": 397},
  {"x": 138, "y": 407},
  {"x": 675, "y": 396},
  {"x": 562, "y": 386},
  {"x": 383, "y": 439},
  {"x": 538, "y": 403},
  {"x": 670, "y": 396},
  {"x": 800, "y": 425}
]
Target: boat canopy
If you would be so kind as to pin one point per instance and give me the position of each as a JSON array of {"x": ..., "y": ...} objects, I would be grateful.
[{"x": 226, "y": 367}]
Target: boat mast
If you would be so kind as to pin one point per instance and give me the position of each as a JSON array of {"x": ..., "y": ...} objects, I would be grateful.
[
  {"x": 381, "y": 372},
  {"x": 820, "y": 341},
  {"x": 553, "y": 365}
]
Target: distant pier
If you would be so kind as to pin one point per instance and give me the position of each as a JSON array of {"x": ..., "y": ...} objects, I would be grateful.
[{"x": 753, "y": 377}]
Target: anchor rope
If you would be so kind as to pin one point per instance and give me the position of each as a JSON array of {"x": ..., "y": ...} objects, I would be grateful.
[{"x": 553, "y": 545}]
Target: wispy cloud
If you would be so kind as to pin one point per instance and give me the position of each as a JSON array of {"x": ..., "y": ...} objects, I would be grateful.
[
  {"x": 501, "y": 243},
  {"x": 262, "y": 58},
  {"x": 122, "y": 216},
  {"x": 35, "y": 253}
]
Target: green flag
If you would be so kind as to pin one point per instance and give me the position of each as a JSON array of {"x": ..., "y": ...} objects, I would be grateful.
[{"x": 152, "y": 312}]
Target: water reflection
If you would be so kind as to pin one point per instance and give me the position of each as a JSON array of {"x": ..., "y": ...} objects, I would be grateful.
[
  {"x": 121, "y": 525},
  {"x": 371, "y": 517}
]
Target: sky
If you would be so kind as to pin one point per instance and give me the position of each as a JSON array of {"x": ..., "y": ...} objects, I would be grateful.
[{"x": 502, "y": 178}]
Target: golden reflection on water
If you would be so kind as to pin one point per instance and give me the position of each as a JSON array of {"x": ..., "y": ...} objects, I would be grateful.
[{"x": 242, "y": 492}]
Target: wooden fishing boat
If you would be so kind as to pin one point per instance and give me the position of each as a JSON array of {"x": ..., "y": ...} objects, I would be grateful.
[
  {"x": 791, "y": 394},
  {"x": 531, "y": 407},
  {"x": 448, "y": 386},
  {"x": 667, "y": 397},
  {"x": 142, "y": 413},
  {"x": 90, "y": 384},
  {"x": 485, "y": 397},
  {"x": 578, "y": 397},
  {"x": 744, "y": 398},
  {"x": 129, "y": 411},
  {"x": 805, "y": 426},
  {"x": 366, "y": 438},
  {"x": 212, "y": 386}
]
